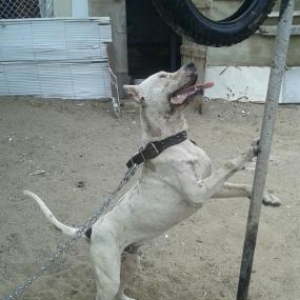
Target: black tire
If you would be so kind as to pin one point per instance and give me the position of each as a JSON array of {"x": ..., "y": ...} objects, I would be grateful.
[{"x": 184, "y": 18}]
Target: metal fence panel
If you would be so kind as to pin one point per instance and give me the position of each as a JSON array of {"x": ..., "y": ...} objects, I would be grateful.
[
  {"x": 54, "y": 39},
  {"x": 55, "y": 58},
  {"x": 19, "y": 9}
]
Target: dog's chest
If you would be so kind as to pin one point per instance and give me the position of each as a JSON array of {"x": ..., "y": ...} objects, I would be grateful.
[
  {"x": 202, "y": 165},
  {"x": 180, "y": 165},
  {"x": 194, "y": 161}
]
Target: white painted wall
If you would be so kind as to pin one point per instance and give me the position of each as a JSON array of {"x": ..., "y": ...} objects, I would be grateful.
[{"x": 250, "y": 84}]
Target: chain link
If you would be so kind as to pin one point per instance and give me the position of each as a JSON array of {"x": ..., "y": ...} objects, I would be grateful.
[
  {"x": 73, "y": 239},
  {"x": 20, "y": 9}
]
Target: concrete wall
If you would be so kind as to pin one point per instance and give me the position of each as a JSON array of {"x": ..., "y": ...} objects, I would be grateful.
[
  {"x": 62, "y": 8},
  {"x": 228, "y": 66},
  {"x": 255, "y": 51}
]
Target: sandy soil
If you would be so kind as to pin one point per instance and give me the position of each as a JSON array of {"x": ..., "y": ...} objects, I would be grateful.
[{"x": 73, "y": 154}]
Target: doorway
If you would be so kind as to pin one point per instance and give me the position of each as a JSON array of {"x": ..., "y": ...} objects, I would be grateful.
[{"x": 151, "y": 45}]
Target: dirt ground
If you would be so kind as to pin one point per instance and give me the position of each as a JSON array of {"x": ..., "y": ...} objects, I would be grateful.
[{"x": 73, "y": 154}]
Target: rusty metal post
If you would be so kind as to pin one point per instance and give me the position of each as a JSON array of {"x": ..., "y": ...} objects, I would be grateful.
[{"x": 268, "y": 124}]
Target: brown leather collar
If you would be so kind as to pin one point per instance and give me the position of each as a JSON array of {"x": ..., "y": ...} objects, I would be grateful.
[{"x": 153, "y": 149}]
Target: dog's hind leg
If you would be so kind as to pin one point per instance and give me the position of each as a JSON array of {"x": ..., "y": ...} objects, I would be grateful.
[
  {"x": 130, "y": 264},
  {"x": 107, "y": 260}
]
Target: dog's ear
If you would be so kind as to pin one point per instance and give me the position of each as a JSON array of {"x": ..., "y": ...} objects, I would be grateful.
[{"x": 133, "y": 91}]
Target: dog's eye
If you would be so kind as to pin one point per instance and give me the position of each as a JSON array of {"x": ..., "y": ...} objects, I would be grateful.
[{"x": 162, "y": 76}]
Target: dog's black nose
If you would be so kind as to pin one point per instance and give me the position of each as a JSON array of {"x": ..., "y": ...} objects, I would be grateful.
[
  {"x": 191, "y": 70},
  {"x": 190, "y": 67}
]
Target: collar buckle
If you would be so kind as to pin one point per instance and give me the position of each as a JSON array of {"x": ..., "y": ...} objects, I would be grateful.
[
  {"x": 149, "y": 152},
  {"x": 154, "y": 147}
]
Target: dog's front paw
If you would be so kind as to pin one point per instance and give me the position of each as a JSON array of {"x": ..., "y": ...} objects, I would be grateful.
[{"x": 271, "y": 200}]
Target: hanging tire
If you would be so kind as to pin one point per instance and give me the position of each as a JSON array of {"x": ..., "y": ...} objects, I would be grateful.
[{"x": 185, "y": 19}]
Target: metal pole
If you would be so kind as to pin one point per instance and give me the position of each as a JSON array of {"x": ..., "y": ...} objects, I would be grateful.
[{"x": 268, "y": 124}]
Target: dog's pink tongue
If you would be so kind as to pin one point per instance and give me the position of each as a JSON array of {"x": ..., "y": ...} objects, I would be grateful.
[
  {"x": 183, "y": 94},
  {"x": 207, "y": 85}
]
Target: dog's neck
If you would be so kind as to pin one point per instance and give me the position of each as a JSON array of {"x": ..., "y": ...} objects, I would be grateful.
[{"x": 157, "y": 127}]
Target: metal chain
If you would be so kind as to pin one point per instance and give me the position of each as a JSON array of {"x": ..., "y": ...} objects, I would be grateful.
[{"x": 73, "y": 239}]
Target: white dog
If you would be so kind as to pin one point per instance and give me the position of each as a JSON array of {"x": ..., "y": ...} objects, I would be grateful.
[{"x": 177, "y": 179}]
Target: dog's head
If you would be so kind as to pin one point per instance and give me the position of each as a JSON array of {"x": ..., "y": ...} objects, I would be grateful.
[
  {"x": 168, "y": 89},
  {"x": 162, "y": 95}
]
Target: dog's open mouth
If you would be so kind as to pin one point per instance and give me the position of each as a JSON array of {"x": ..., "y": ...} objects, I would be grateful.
[{"x": 186, "y": 93}]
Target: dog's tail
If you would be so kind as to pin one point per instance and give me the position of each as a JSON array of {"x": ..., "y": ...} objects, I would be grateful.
[{"x": 65, "y": 229}]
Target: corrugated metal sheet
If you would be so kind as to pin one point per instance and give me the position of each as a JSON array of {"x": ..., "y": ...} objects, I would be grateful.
[{"x": 64, "y": 58}]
